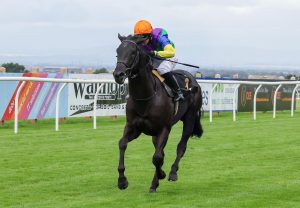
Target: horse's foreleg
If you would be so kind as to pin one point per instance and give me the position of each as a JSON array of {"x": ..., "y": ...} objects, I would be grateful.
[
  {"x": 161, "y": 173},
  {"x": 188, "y": 127},
  {"x": 158, "y": 158},
  {"x": 129, "y": 135}
]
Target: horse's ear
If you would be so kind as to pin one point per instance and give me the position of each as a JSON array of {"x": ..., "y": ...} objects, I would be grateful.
[{"x": 121, "y": 37}]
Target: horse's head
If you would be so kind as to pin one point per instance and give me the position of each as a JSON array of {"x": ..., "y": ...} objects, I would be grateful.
[{"x": 128, "y": 57}]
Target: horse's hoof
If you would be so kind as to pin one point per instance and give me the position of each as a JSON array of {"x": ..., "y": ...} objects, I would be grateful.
[
  {"x": 162, "y": 175},
  {"x": 173, "y": 177},
  {"x": 152, "y": 190},
  {"x": 122, "y": 183}
]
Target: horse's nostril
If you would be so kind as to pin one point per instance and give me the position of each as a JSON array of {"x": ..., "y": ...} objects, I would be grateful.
[
  {"x": 121, "y": 74},
  {"x": 118, "y": 74}
]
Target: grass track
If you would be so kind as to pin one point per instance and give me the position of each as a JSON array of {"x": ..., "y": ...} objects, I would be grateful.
[{"x": 236, "y": 164}]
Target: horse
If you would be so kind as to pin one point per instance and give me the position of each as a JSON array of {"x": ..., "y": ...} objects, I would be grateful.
[{"x": 150, "y": 110}]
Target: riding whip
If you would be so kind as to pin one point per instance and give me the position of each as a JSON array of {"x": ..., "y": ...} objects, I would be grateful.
[{"x": 190, "y": 65}]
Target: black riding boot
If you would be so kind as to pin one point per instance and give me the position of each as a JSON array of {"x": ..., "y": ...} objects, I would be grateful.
[{"x": 172, "y": 82}]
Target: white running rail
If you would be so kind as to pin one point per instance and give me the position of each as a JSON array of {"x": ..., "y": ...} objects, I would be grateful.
[
  {"x": 65, "y": 81},
  {"x": 259, "y": 84}
]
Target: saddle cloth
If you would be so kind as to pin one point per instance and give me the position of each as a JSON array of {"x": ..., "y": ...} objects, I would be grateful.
[{"x": 186, "y": 81}]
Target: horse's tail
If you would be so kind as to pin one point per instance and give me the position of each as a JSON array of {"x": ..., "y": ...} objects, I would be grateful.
[{"x": 197, "y": 131}]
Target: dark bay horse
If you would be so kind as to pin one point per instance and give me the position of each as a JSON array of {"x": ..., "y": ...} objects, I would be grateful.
[{"x": 150, "y": 110}]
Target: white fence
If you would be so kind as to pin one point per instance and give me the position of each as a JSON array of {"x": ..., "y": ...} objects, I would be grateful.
[
  {"x": 102, "y": 82},
  {"x": 260, "y": 84}
]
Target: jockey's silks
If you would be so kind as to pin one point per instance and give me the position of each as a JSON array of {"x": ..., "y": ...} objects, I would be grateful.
[{"x": 161, "y": 43}]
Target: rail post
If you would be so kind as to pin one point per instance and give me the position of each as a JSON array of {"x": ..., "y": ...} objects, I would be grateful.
[
  {"x": 234, "y": 103},
  {"x": 17, "y": 106},
  {"x": 95, "y": 105},
  {"x": 254, "y": 102},
  {"x": 57, "y": 106},
  {"x": 275, "y": 100},
  {"x": 293, "y": 100},
  {"x": 210, "y": 102}
]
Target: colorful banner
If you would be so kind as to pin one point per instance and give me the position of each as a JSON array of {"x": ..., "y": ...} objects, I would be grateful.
[
  {"x": 49, "y": 98},
  {"x": 10, "y": 109},
  {"x": 36, "y": 99},
  {"x": 33, "y": 90}
]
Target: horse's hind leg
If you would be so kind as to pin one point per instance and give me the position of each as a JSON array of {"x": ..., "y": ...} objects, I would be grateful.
[
  {"x": 129, "y": 135},
  {"x": 188, "y": 126},
  {"x": 158, "y": 158}
]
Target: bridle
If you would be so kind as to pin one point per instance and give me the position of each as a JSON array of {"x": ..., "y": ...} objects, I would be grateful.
[{"x": 129, "y": 69}]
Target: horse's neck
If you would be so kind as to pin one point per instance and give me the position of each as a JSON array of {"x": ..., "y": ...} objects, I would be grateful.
[{"x": 142, "y": 86}]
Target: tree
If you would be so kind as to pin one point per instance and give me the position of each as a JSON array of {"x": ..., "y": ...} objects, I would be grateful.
[
  {"x": 102, "y": 70},
  {"x": 13, "y": 67}
]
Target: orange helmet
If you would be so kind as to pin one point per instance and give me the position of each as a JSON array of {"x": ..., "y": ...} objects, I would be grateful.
[{"x": 142, "y": 27}]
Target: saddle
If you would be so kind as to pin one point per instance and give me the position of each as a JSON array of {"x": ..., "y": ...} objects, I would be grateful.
[{"x": 185, "y": 80}]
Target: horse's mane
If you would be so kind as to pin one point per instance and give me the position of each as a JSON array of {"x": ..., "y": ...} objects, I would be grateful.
[{"x": 135, "y": 38}]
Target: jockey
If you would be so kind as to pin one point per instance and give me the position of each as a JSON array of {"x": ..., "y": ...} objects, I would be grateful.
[{"x": 159, "y": 45}]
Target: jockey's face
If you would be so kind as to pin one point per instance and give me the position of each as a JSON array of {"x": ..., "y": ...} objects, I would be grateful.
[
  {"x": 147, "y": 38},
  {"x": 146, "y": 41}
]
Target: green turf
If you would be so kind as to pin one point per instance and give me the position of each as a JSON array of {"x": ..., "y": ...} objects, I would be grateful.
[{"x": 236, "y": 164}]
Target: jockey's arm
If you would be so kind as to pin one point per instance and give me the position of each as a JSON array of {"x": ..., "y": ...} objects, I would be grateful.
[{"x": 168, "y": 52}]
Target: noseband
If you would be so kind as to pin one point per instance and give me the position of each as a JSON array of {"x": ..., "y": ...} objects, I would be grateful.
[{"x": 129, "y": 69}]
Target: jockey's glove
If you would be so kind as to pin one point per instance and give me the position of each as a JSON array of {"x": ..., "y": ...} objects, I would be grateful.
[{"x": 152, "y": 53}]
